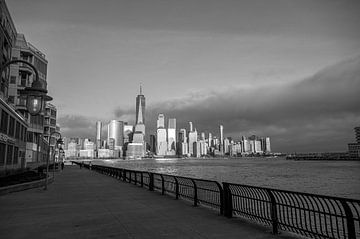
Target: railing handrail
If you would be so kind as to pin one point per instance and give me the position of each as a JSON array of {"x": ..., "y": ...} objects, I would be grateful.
[{"x": 295, "y": 192}]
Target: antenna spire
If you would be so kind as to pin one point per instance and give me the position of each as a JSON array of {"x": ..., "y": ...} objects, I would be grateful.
[{"x": 140, "y": 89}]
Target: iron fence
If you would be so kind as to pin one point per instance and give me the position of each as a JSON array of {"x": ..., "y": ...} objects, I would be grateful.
[{"x": 311, "y": 215}]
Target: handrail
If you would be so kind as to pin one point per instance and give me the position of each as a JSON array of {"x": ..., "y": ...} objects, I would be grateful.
[{"x": 311, "y": 215}]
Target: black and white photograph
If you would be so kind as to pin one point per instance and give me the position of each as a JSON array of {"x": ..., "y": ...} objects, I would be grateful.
[{"x": 180, "y": 119}]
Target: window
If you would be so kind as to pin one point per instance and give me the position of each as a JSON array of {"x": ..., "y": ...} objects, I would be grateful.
[
  {"x": 11, "y": 99},
  {"x": 30, "y": 137},
  {"x": 17, "y": 130},
  {"x": 24, "y": 134},
  {"x": 2, "y": 153},
  {"x": 13, "y": 80},
  {"x": 9, "y": 154},
  {"x": 11, "y": 127},
  {"x": 16, "y": 155},
  {"x": 4, "y": 122}
]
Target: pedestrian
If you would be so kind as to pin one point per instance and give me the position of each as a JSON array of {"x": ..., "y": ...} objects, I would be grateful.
[
  {"x": 62, "y": 165},
  {"x": 90, "y": 165},
  {"x": 81, "y": 164}
]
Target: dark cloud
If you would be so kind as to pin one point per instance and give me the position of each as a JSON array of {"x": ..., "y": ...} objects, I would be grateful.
[
  {"x": 315, "y": 114},
  {"x": 77, "y": 126}
]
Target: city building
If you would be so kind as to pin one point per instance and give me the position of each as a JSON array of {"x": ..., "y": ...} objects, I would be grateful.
[
  {"x": 22, "y": 76},
  {"x": 137, "y": 148},
  {"x": 161, "y": 136},
  {"x": 140, "y": 108},
  {"x": 50, "y": 123},
  {"x": 182, "y": 144},
  {"x": 171, "y": 135},
  {"x": 98, "y": 134},
  {"x": 192, "y": 138},
  {"x": 116, "y": 132},
  {"x": 221, "y": 139},
  {"x": 7, "y": 41},
  {"x": 354, "y": 148}
]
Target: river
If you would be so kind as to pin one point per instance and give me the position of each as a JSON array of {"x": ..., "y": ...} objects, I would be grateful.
[{"x": 332, "y": 178}]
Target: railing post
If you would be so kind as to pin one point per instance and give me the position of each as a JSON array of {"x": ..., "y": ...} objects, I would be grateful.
[
  {"x": 274, "y": 217},
  {"x": 221, "y": 192},
  {"x": 349, "y": 220},
  {"x": 227, "y": 200},
  {"x": 162, "y": 185},
  {"x": 135, "y": 177},
  {"x": 142, "y": 179},
  {"x": 176, "y": 188},
  {"x": 195, "y": 193},
  {"x": 151, "y": 181}
]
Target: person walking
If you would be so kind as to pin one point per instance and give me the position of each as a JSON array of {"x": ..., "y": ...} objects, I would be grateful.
[{"x": 62, "y": 165}]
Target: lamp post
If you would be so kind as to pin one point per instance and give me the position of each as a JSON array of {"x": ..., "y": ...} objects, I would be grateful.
[
  {"x": 36, "y": 97},
  {"x": 47, "y": 161},
  {"x": 58, "y": 142}
]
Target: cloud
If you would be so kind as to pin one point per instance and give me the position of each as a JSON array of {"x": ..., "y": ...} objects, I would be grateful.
[
  {"x": 77, "y": 126},
  {"x": 315, "y": 114}
]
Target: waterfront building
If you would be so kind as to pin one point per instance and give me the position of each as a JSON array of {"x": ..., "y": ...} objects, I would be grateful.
[
  {"x": 171, "y": 135},
  {"x": 191, "y": 127},
  {"x": 192, "y": 138},
  {"x": 140, "y": 108},
  {"x": 203, "y": 148},
  {"x": 226, "y": 146},
  {"x": 161, "y": 136},
  {"x": 354, "y": 148},
  {"x": 98, "y": 134},
  {"x": 221, "y": 146},
  {"x": 21, "y": 76},
  {"x": 210, "y": 140},
  {"x": 7, "y": 41},
  {"x": 182, "y": 144},
  {"x": 152, "y": 143},
  {"x": 196, "y": 149},
  {"x": 13, "y": 126},
  {"x": 161, "y": 144},
  {"x": 357, "y": 134},
  {"x": 116, "y": 132},
  {"x": 128, "y": 133},
  {"x": 50, "y": 123}
]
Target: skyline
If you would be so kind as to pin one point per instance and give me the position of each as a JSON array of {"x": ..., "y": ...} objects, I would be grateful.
[{"x": 251, "y": 66}]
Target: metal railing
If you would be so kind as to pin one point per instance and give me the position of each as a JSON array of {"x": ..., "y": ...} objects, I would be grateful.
[{"x": 311, "y": 215}]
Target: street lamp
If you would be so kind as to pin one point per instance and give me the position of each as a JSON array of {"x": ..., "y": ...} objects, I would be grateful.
[
  {"x": 47, "y": 161},
  {"x": 36, "y": 96},
  {"x": 58, "y": 143}
]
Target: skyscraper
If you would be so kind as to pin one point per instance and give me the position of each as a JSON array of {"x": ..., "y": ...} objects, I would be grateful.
[
  {"x": 192, "y": 139},
  {"x": 140, "y": 108},
  {"x": 98, "y": 134},
  {"x": 161, "y": 143},
  {"x": 172, "y": 136},
  {"x": 116, "y": 132},
  {"x": 221, "y": 139},
  {"x": 191, "y": 127}
]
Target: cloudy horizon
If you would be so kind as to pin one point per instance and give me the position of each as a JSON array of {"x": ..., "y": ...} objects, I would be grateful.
[{"x": 286, "y": 69}]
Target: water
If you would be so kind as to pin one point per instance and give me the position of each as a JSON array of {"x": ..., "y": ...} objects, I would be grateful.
[{"x": 333, "y": 178}]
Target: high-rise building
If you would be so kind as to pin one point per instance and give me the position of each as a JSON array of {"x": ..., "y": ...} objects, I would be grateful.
[
  {"x": 191, "y": 127},
  {"x": 140, "y": 108},
  {"x": 182, "y": 143},
  {"x": 171, "y": 134},
  {"x": 357, "y": 134},
  {"x": 161, "y": 143},
  {"x": 192, "y": 138},
  {"x": 98, "y": 134},
  {"x": 161, "y": 121},
  {"x": 221, "y": 139},
  {"x": 116, "y": 132}
]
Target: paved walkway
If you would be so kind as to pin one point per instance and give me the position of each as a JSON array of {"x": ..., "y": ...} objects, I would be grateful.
[{"x": 86, "y": 204}]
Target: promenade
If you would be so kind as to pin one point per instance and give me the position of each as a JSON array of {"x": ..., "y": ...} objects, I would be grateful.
[{"x": 85, "y": 204}]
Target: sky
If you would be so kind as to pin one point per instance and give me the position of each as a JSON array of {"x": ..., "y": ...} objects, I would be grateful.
[{"x": 288, "y": 69}]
